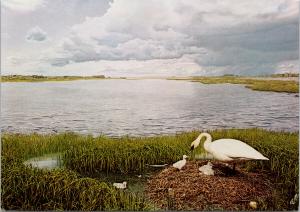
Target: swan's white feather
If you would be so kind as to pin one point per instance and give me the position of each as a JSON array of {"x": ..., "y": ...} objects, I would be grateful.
[
  {"x": 229, "y": 149},
  {"x": 207, "y": 169},
  {"x": 181, "y": 163}
]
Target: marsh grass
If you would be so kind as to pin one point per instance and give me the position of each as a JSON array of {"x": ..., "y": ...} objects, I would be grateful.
[
  {"x": 86, "y": 156},
  {"x": 127, "y": 155},
  {"x": 275, "y": 85},
  {"x": 288, "y": 86},
  {"x": 34, "y": 189},
  {"x": 258, "y": 84}
]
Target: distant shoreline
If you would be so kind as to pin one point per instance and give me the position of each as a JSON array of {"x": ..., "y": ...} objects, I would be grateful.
[
  {"x": 42, "y": 78},
  {"x": 288, "y": 83}
]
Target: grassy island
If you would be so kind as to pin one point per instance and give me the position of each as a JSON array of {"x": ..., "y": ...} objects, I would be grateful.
[
  {"x": 288, "y": 86},
  {"x": 254, "y": 83},
  {"x": 82, "y": 183},
  {"x": 41, "y": 78}
]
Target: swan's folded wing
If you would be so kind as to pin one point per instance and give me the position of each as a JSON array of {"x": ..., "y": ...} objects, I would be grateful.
[{"x": 235, "y": 149}]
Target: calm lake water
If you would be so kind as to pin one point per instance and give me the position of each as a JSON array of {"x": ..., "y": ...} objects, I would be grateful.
[{"x": 142, "y": 107}]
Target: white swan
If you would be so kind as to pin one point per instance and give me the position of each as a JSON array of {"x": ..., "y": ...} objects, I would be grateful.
[
  {"x": 180, "y": 164},
  {"x": 120, "y": 185},
  {"x": 207, "y": 169},
  {"x": 228, "y": 149}
]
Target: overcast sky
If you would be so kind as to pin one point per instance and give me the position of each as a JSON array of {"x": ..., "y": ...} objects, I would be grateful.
[{"x": 149, "y": 37}]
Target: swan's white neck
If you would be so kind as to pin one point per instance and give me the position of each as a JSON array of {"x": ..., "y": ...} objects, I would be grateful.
[{"x": 207, "y": 141}]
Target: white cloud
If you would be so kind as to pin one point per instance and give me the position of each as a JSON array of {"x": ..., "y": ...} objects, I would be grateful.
[
  {"x": 36, "y": 34},
  {"x": 214, "y": 36},
  {"x": 157, "y": 67},
  {"x": 217, "y": 33},
  {"x": 22, "y": 5},
  {"x": 288, "y": 66}
]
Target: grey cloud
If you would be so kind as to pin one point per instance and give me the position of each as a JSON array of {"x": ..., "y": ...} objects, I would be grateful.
[
  {"x": 36, "y": 34},
  {"x": 272, "y": 36},
  {"x": 217, "y": 38},
  {"x": 59, "y": 62},
  {"x": 135, "y": 49},
  {"x": 251, "y": 49}
]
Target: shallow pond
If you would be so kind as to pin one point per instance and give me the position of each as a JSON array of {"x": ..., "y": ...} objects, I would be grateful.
[
  {"x": 142, "y": 107},
  {"x": 135, "y": 182},
  {"x": 51, "y": 161}
]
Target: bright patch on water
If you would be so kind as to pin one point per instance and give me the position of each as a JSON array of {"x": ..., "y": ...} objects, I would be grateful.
[
  {"x": 140, "y": 108},
  {"x": 45, "y": 162}
]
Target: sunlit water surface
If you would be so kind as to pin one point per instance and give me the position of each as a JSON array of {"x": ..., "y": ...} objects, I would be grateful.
[{"x": 142, "y": 107}]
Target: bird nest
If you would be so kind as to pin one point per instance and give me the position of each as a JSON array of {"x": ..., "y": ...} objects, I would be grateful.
[{"x": 188, "y": 189}]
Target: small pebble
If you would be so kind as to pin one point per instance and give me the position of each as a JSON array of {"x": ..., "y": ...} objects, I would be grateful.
[{"x": 253, "y": 204}]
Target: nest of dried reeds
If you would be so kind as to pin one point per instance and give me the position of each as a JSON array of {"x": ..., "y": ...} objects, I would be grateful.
[{"x": 190, "y": 190}]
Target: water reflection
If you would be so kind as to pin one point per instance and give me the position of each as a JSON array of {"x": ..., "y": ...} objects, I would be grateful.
[
  {"x": 142, "y": 107},
  {"x": 45, "y": 162}
]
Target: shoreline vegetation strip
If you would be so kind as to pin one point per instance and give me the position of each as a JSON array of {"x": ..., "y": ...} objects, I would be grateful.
[
  {"x": 41, "y": 78},
  {"x": 84, "y": 155},
  {"x": 262, "y": 83},
  {"x": 255, "y": 83}
]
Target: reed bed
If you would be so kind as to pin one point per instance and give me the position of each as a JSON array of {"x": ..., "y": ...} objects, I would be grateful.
[
  {"x": 288, "y": 86},
  {"x": 25, "y": 188},
  {"x": 33, "y": 189},
  {"x": 127, "y": 155},
  {"x": 86, "y": 156}
]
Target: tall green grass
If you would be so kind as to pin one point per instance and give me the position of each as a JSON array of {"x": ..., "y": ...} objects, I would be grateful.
[
  {"x": 34, "y": 189},
  {"x": 127, "y": 155},
  {"x": 87, "y": 156},
  {"x": 28, "y": 188}
]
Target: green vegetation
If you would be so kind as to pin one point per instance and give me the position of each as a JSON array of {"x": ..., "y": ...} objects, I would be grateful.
[
  {"x": 33, "y": 189},
  {"x": 73, "y": 188},
  {"x": 126, "y": 155},
  {"x": 258, "y": 84},
  {"x": 41, "y": 78}
]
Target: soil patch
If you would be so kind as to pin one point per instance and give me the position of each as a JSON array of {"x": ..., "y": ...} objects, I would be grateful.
[{"x": 190, "y": 190}]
